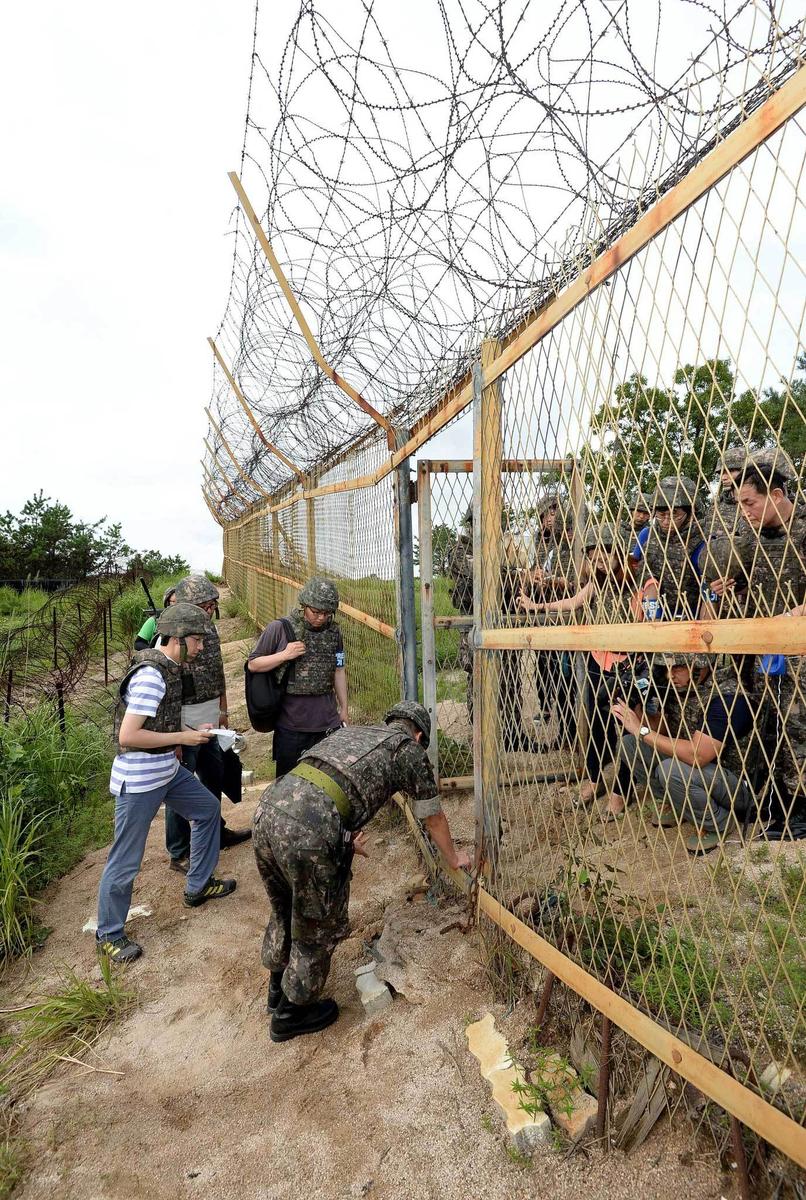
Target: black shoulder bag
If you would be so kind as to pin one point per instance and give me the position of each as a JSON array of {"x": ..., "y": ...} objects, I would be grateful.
[{"x": 265, "y": 690}]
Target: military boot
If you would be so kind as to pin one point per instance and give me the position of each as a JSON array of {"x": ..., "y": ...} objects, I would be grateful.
[
  {"x": 293, "y": 1020},
  {"x": 275, "y": 990}
]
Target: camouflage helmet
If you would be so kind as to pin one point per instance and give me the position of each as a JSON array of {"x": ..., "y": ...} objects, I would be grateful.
[
  {"x": 166, "y": 595},
  {"x": 733, "y": 458},
  {"x": 642, "y": 502},
  {"x": 410, "y": 710},
  {"x": 675, "y": 491},
  {"x": 602, "y": 535},
  {"x": 685, "y": 658},
  {"x": 774, "y": 459},
  {"x": 196, "y": 589},
  {"x": 549, "y": 499},
  {"x": 183, "y": 620},
  {"x": 319, "y": 593},
  {"x": 467, "y": 519}
]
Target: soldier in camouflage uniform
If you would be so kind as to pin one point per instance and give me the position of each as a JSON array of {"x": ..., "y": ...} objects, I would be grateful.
[
  {"x": 461, "y": 573},
  {"x": 146, "y": 774},
  {"x": 729, "y": 539},
  {"x": 696, "y": 763},
  {"x": 670, "y": 573},
  {"x": 305, "y": 829},
  {"x": 315, "y": 700},
  {"x": 204, "y": 702},
  {"x": 775, "y": 570}
]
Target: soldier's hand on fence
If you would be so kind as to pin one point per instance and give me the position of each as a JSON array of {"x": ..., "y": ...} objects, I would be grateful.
[
  {"x": 720, "y": 586},
  {"x": 360, "y": 844},
  {"x": 527, "y": 604},
  {"x": 294, "y": 650},
  {"x": 623, "y": 713}
]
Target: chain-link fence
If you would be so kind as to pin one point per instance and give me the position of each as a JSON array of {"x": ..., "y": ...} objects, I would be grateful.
[{"x": 611, "y": 590}]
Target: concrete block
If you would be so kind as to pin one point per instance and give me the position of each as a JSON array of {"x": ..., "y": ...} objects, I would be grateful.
[
  {"x": 528, "y": 1131},
  {"x": 375, "y": 996},
  {"x": 247, "y": 778},
  {"x": 572, "y": 1108},
  {"x": 773, "y": 1077}
]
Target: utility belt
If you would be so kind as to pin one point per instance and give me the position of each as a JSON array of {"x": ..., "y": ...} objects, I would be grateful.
[{"x": 326, "y": 784}]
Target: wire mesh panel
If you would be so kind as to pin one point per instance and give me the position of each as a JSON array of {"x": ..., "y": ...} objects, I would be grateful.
[{"x": 651, "y": 831}]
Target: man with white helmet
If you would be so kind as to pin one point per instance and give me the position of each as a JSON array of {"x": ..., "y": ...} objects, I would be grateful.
[{"x": 146, "y": 774}]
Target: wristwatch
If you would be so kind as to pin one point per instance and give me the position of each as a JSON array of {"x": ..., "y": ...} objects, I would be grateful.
[{"x": 644, "y": 730}]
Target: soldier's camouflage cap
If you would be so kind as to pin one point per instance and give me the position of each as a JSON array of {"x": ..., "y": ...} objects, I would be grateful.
[
  {"x": 196, "y": 589},
  {"x": 410, "y": 710},
  {"x": 602, "y": 535},
  {"x": 734, "y": 458},
  {"x": 773, "y": 458},
  {"x": 682, "y": 658},
  {"x": 183, "y": 620},
  {"x": 320, "y": 593},
  {"x": 675, "y": 491}
]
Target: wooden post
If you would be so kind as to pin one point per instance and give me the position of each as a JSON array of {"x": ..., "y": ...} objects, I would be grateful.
[
  {"x": 246, "y": 478},
  {"x": 304, "y": 327},
  {"x": 487, "y": 500},
  {"x": 427, "y": 631},
  {"x": 55, "y": 641},
  {"x": 242, "y": 400}
]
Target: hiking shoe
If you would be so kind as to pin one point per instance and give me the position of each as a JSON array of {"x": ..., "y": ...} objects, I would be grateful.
[
  {"x": 702, "y": 843},
  {"x": 275, "y": 990},
  {"x": 293, "y": 1020},
  {"x": 233, "y": 837},
  {"x": 179, "y": 864},
  {"x": 118, "y": 950},
  {"x": 665, "y": 818},
  {"x": 214, "y": 889}
]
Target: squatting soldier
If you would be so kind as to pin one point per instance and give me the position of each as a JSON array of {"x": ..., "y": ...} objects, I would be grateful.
[
  {"x": 776, "y": 584},
  {"x": 315, "y": 701},
  {"x": 305, "y": 835},
  {"x": 146, "y": 774},
  {"x": 204, "y": 703},
  {"x": 671, "y": 569}
]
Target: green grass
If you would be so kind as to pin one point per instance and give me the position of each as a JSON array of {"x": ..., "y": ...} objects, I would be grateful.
[
  {"x": 63, "y": 1025},
  {"x": 778, "y": 963},
  {"x": 12, "y": 1160},
  {"x": 54, "y": 807}
]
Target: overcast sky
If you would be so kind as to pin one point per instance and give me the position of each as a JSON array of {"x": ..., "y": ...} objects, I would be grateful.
[{"x": 120, "y": 123}]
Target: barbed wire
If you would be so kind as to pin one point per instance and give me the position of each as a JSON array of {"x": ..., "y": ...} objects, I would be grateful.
[{"x": 429, "y": 181}]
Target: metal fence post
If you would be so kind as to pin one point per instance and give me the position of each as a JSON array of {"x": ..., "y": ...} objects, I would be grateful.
[
  {"x": 427, "y": 631},
  {"x": 487, "y": 498},
  {"x": 407, "y": 618}
]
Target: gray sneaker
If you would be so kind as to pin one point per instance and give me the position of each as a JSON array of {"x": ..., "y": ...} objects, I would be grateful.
[{"x": 118, "y": 950}]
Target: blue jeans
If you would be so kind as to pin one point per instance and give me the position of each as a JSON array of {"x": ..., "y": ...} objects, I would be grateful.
[
  {"x": 134, "y": 812},
  {"x": 207, "y": 762}
]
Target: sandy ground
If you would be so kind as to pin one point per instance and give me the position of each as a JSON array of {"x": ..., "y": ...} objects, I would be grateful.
[{"x": 205, "y": 1105}]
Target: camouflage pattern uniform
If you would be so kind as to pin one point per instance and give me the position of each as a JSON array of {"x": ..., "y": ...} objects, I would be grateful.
[
  {"x": 667, "y": 555},
  {"x": 314, "y": 673},
  {"x": 728, "y": 538},
  {"x": 461, "y": 572},
  {"x": 204, "y": 675},
  {"x": 775, "y": 569},
  {"x": 303, "y": 850}
]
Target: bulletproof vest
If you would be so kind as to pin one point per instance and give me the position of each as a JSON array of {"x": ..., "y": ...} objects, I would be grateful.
[
  {"x": 610, "y": 603},
  {"x": 686, "y": 714},
  {"x": 461, "y": 572},
  {"x": 668, "y": 557},
  {"x": 776, "y": 569},
  {"x": 313, "y": 673},
  {"x": 361, "y": 759},
  {"x": 168, "y": 718},
  {"x": 204, "y": 675}
]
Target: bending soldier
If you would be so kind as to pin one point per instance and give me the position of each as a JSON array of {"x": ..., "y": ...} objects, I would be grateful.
[{"x": 304, "y": 838}]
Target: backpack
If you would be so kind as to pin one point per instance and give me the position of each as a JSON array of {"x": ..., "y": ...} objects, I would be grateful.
[{"x": 265, "y": 690}]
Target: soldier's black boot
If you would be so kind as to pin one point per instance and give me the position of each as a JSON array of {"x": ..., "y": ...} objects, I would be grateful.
[
  {"x": 293, "y": 1020},
  {"x": 275, "y": 990}
]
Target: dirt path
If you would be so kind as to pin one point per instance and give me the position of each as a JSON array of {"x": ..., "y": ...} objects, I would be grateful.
[{"x": 206, "y": 1106}]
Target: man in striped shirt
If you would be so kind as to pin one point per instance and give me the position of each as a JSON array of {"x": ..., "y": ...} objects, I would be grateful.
[{"x": 146, "y": 774}]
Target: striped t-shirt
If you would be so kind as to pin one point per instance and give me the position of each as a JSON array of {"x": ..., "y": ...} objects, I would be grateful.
[{"x": 143, "y": 772}]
